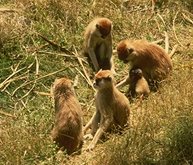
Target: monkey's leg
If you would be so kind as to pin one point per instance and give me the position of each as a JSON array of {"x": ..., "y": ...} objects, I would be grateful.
[{"x": 104, "y": 125}]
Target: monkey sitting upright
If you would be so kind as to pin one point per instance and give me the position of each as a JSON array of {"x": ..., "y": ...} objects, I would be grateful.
[
  {"x": 154, "y": 62},
  {"x": 112, "y": 107},
  {"x": 98, "y": 43},
  {"x": 138, "y": 86},
  {"x": 67, "y": 131}
]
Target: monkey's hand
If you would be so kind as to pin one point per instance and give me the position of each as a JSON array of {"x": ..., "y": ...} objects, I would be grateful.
[{"x": 88, "y": 136}]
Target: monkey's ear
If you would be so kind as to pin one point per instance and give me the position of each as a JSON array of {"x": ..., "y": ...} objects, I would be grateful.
[{"x": 130, "y": 50}]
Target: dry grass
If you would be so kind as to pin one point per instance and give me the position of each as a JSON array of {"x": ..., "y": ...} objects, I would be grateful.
[{"x": 161, "y": 127}]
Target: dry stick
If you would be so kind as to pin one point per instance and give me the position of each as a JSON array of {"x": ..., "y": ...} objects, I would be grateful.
[
  {"x": 84, "y": 70},
  {"x": 174, "y": 29},
  {"x": 166, "y": 42},
  {"x": 187, "y": 18},
  {"x": 28, "y": 91},
  {"x": 37, "y": 65},
  {"x": 161, "y": 19},
  {"x": 55, "y": 45},
  {"x": 12, "y": 80},
  {"x": 157, "y": 41},
  {"x": 42, "y": 93},
  {"x": 6, "y": 114},
  {"x": 29, "y": 82},
  {"x": 6, "y": 80},
  {"x": 63, "y": 55},
  {"x": 173, "y": 51}
]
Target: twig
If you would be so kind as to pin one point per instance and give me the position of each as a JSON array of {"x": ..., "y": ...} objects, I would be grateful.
[
  {"x": 6, "y": 80},
  {"x": 7, "y": 10},
  {"x": 187, "y": 18},
  {"x": 174, "y": 29},
  {"x": 63, "y": 55},
  {"x": 173, "y": 51},
  {"x": 42, "y": 93},
  {"x": 55, "y": 45},
  {"x": 166, "y": 42},
  {"x": 37, "y": 65},
  {"x": 157, "y": 41},
  {"x": 161, "y": 19},
  {"x": 6, "y": 114},
  {"x": 28, "y": 91},
  {"x": 39, "y": 78},
  {"x": 75, "y": 84},
  {"x": 84, "y": 70}
]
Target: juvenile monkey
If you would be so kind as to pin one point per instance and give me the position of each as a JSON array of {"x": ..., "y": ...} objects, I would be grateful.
[
  {"x": 98, "y": 43},
  {"x": 112, "y": 107},
  {"x": 138, "y": 85},
  {"x": 67, "y": 131},
  {"x": 154, "y": 62}
]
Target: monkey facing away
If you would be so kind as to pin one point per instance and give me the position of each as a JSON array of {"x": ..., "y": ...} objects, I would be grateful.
[
  {"x": 138, "y": 85},
  {"x": 154, "y": 62},
  {"x": 112, "y": 107},
  {"x": 67, "y": 131},
  {"x": 98, "y": 43}
]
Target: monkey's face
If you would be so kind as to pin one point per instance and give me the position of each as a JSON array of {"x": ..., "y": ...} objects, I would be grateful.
[
  {"x": 101, "y": 83},
  {"x": 103, "y": 79},
  {"x": 125, "y": 53},
  {"x": 104, "y": 28},
  {"x": 135, "y": 74}
]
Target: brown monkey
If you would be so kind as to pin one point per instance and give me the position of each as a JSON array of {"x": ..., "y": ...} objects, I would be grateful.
[
  {"x": 154, "y": 62},
  {"x": 98, "y": 43},
  {"x": 112, "y": 107},
  {"x": 138, "y": 85},
  {"x": 67, "y": 131}
]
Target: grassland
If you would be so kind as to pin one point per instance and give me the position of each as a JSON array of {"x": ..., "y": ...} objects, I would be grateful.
[{"x": 161, "y": 129}]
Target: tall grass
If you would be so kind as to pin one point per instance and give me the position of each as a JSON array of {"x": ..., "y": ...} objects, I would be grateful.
[{"x": 160, "y": 127}]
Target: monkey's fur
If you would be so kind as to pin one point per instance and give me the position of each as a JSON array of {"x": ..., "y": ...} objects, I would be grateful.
[
  {"x": 112, "y": 107},
  {"x": 98, "y": 43},
  {"x": 154, "y": 62},
  {"x": 138, "y": 85},
  {"x": 67, "y": 132}
]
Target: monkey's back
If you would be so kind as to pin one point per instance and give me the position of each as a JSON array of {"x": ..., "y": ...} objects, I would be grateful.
[
  {"x": 151, "y": 58},
  {"x": 121, "y": 108},
  {"x": 67, "y": 132}
]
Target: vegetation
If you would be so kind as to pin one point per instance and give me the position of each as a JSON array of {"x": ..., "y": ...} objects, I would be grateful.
[{"x": 161, "y": 130}]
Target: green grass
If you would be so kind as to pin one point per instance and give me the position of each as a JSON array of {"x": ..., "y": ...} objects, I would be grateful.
[{"x": 161, "y": 127}]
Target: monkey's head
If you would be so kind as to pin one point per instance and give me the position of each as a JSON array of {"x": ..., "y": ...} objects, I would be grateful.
[
  {"x": 103, "y": 79},
  {"x": 62, "y": 86},
  {"x": 135, "y": 74},
  {"x": 104, "y": 27},
  {"x": 125, "y": 51}
]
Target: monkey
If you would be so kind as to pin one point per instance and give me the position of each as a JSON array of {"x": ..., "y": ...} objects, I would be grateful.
[
  {"x": 98, "y": 43},
  {"x": 112, "y": 107},
  {"x": 67, "y": 132},
  {"x": 152, "y": 59},
  {"x": 138, "y": 86}
]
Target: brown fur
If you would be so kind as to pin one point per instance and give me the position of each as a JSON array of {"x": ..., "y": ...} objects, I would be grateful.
[
  {"x": 112, "y": 107},
  {"x": 67, "y": 131},
  {"x": 154, "y": 62},
  {"x": 138, "y": 85},
  {"x": 98, "y": 43}
]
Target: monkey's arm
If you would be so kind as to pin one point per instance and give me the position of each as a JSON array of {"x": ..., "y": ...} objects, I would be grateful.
[
  {"x": 93, "y": 122},
  {"x": 123, "y": 82}
]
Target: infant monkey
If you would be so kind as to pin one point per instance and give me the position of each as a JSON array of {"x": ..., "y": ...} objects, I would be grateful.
[
  {"x": 98, "y": 43},
  {"x": 138, "y": 86},
  {"x": 67, "y": 131},
  {"x": 112, "y": 107}
]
